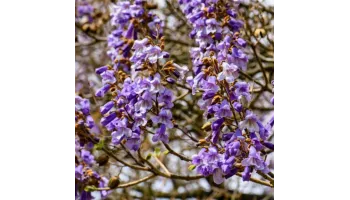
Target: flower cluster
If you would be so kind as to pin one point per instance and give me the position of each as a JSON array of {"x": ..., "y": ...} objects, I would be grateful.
[
  {"x": 238, "y": 137},
  {"x": 139, "y": 96},
  {"x": 86, "y": 177},
  {"x": 134, "y": 106},
  {"x": 84, "y": 160},
  {"x": 84, "y": 8},
  {"x": 130, "y": 21},
  {"x": 82, "y": 112}
]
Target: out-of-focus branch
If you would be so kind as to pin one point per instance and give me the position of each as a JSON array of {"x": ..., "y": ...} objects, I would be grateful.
[{"x": 182, "y": 157}]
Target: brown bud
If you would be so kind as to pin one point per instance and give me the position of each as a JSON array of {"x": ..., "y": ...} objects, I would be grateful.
[
  {"x": 105, "y": 17},
  {"x": 102, "y": 160},
  {"x": 97, "y": 14},
  {"x": 93, "y": 27},
  {"x": 238, "y": 165},
  {"x": 124, "y": 141},
  {"x": 207, "y": 126},
  {"x": 113, "y": 182},
  {"x": 260, "y": 32},
  {"x": 85, "y": 27},
  {"x": 216, "y": 99},
  {"x": 206, "y": 61},
  {"x": 169, "y": 63},
  {"x": 202, "y": 143},
  {"x": 151, "y": 6}
]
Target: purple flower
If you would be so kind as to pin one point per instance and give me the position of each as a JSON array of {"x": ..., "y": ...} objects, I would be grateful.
[
  {"x": 218, "y": 176},
  {"x": 100, "y": 70},
  {"x": 108, "y": 106},
  {"x": 103, "y": 183},
  {"x": 223, "y": 110},
  {"x": 82, "y": 105},
  {"x": 242, "y": 89},
  {"x": 139, "y": 44},
  {"x": 246, "y": 174},
  {"x": 264, "y": 131},
  {"x": 134, "y": 142},
  {"x": 225, "y": 45},
  {"x": 250, "y": 122},
  {"x": 208, "y": 95},
  {"x": 254, "y": 159},
  {"x": 232, "y": 13},
  {"x": 103, "y": 90},
  {"x": 139, "y": 119},
  {"x": 211, "y": 25},
  {"x": 180, "y": 71},
  {"x": 154, "y": 53},
  {"x": 241, "y": 42},
  {"x": 198, "y": 159},
  {"x": 108, "y": 119},
  {"x": 87, "y": 157},
  {"x": 229, "y": 72},
  {"x": 210, "y": 85},
  {"x": 117, "y": 138},
  {"x": 208, "y": 162},
  {"x": 141, "y": 85},
  {"x": 144, "y": 103},
  {"x": 269, "y": 145},
  {"x": 78, "y": 171},
  {"x": 237, "y": 106},
  {"x": 89, "y": 121},
  {"x": 170, "y": 80},
  {"x": 216, "y": 125},
  {"x": 196, "y": 81},
  {"x": 108, "y": 77},
  {"x": 196, "y": 16},
  {"x": 164, "y": 117},
  {"x": 165, "y": 98},
  {"x": 232, "y": 149},
  {"x": 156, "y": 85},
  {"x": 122, "y": 129},
  {"x": 160, "y": 135}
]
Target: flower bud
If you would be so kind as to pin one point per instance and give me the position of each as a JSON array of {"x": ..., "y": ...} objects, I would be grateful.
[
  {"x": 102, "y": 160},
  {"x": 238, "y": 107},
  {"x": 100, "y": 70},
  {"x": 102, "y": 91},
  {"x": 170, "y": 80},
  {"x": 113, "y": 182},
  {"x": 104, "y": 109}
]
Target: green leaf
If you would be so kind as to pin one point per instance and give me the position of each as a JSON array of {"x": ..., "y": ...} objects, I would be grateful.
[
  {"x": 90, "y": 188},
  {"x": 100, "y": 145},
  {"x": 166, "y": 152},
  {"x": 148, "y": 156},
  {"x": 157, "y": 151},
  {"x": 191, "y": 167}
]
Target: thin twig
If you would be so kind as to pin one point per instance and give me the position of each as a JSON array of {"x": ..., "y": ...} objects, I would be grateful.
[{"x": 162, "y": 165}]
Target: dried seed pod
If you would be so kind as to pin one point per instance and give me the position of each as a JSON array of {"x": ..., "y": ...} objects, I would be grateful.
[{"x": 113, "y": 182}]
